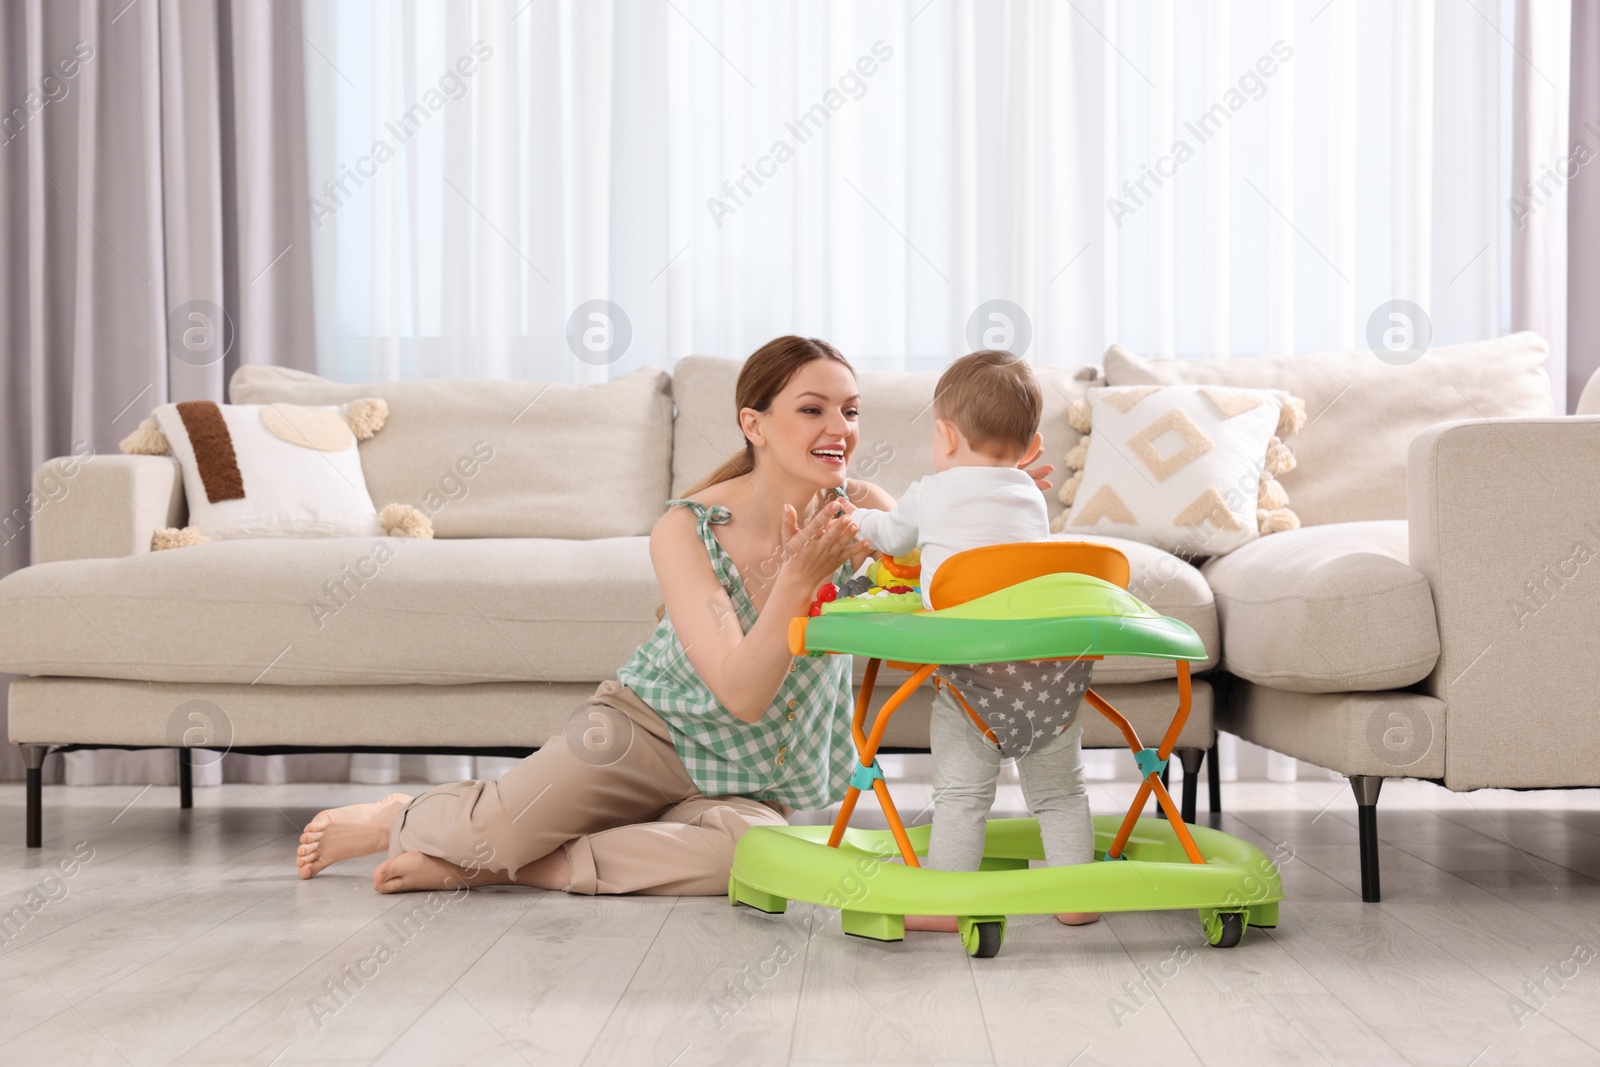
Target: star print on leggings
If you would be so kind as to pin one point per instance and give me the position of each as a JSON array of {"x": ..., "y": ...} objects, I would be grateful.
[{"x": 1026, "y": 703}]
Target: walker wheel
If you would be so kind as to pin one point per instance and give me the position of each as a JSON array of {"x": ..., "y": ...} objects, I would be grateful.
[
  {"x": 983, "y": 940},
  {"x": 1224, "y": 928}
]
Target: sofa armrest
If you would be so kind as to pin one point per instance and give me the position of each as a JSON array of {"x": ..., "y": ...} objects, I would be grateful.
[
  {"x": 1505, "y": 525},
  {"x": 101, "y": 506}
]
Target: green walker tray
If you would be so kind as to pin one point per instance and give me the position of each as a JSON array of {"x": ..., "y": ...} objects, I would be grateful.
[
  {"x": 1058, "y": 614},
  {"x": 1053, "y": 616}
]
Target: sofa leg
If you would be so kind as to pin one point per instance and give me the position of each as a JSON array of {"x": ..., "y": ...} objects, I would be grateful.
[
  {"x": 1366, "y": 788},
  {"x": 185, "y": 779},
  {"x": 1161, "y": 813},
  {"x": 1214, "y": 778},
  {"x": 33, "y": 759},
  {"x": 1190, "y": 758}
]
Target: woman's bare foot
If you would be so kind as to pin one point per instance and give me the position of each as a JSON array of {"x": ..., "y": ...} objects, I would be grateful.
[
  {"x": 547, "y": 872},
  {"x": 412, "y": 872},
  {"x": 1078, "y": 918},
  {"x": 341, "y": 833}
]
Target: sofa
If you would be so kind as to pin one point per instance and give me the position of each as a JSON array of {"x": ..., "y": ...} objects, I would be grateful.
[{"x": 1372, "y": 641}]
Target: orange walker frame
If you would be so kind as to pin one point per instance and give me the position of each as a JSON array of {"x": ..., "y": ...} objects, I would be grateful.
[{"x": 986, "y": 570}]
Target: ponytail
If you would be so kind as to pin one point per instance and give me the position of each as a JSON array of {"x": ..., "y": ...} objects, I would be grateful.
[{"x": 735, "y": 466}]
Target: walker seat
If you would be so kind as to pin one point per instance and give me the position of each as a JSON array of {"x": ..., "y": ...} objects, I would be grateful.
[{"x": 1000, "y": 603}]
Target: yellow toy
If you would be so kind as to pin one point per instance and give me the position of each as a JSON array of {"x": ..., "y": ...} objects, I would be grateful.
[{"x": 897, "y": 570}]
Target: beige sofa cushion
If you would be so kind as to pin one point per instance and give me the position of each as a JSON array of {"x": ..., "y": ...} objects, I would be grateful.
[
  {"x": 896, "y": 446},
  {"x": 1326, "y": 609},
  {"x": 1362, "y": 413},
  {"x": 492, "y": 458},
  {"x": 492, "y": 714},
  {"x": 336, "y": 611}
]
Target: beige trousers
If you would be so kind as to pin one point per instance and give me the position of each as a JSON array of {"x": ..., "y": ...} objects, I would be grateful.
[{"x": 610, "y": 790}]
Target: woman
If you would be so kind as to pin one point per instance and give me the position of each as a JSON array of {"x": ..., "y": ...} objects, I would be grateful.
[{"x": 710, "y": 728}]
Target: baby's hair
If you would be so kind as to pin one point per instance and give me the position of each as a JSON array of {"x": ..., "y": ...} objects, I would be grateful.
[{"x": 993, "y": 398}]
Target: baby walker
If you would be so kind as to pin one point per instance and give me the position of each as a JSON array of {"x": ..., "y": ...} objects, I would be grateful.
[{"x": 1024, "y": 601}]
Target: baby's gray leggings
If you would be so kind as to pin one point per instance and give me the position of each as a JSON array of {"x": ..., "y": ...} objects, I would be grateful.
[{"x": 965, "y": 767}]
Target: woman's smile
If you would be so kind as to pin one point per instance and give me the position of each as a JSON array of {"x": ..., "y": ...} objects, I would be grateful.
[{"x": 829, "y": 455}]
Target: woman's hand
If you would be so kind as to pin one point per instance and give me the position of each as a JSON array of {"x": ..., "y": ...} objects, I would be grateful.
[
  {"x": 866, "y": 550},
  {"x": 1039, "y": 474},
  {"x": 819, "y": 501},
  {"x": 813, "y": 552}
]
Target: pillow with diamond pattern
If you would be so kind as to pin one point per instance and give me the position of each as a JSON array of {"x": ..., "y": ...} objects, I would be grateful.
[{"x": 1188, "y": 468}]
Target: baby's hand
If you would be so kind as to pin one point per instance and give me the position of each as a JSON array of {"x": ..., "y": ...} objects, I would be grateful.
[
  {"x": 844, "y": 506},
  {"x": 1039, "y": 474}
]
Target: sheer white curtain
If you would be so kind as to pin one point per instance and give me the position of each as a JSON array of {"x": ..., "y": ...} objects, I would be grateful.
[
  {"x": 1215, "y": 178},
  {"x": 1212, "y": 178}
]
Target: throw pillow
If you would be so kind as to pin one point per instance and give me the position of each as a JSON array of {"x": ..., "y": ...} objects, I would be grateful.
[
  {"x": 485, "y": 457},
  {"x": 271, "y": 470},
  {"x": 1188, "y": 468},
  {"x": 1364, "y": 412}
]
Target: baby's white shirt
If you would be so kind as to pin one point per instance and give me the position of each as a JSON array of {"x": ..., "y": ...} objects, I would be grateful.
[{"x": 957, "y": 509}]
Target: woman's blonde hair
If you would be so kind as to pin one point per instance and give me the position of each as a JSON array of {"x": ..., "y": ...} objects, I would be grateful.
[{"x": 761, "y": 379}]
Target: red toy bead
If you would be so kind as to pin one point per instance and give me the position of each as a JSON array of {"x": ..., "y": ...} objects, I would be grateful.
[
  {"x": 897, "y": 589},
  {"x": 827, "y": 592}
]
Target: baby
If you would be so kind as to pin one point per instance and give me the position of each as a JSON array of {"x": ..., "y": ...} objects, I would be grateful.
[{"x": 986, "y": 410}]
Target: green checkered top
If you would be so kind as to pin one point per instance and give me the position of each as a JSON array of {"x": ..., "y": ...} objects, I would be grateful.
[{"x": 799, "y": 752}]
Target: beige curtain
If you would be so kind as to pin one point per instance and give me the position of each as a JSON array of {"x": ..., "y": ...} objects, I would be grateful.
[
  {"x": 1542, "y": 89},
  {"x": 152, "y": 166},
  {"x": 1583, "y": 203}
]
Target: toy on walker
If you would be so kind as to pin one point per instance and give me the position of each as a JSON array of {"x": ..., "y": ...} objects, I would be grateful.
[{"x": 1022, "y": 601}]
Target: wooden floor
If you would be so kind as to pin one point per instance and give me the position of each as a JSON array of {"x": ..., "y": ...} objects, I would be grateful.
[{"x": 185, "y": 937}]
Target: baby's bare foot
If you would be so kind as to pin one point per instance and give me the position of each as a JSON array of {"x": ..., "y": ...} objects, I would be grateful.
[
  {"x": 415, "y": 872},
  {"x": 944, "y": 924},
  {"x": 341, "y": 833},
  {"x": 1078, "y": 918}
]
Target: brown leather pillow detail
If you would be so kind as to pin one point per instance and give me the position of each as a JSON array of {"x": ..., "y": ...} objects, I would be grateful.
[{"x": 213, "y": 450}]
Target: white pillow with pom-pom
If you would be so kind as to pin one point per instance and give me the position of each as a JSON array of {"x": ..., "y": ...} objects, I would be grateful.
[
  {"x": 270, "y": 470},
  {"x": 1188, "y": 468}
]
